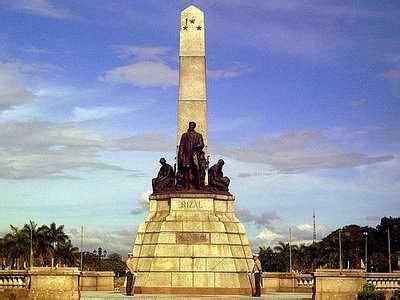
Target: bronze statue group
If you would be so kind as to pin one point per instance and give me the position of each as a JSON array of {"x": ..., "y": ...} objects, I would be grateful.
[{"x": 190, "y": 171}]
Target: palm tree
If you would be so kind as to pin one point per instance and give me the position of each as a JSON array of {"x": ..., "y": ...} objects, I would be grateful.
[
  {"x": 66, "y": 253},
  {"x": 16, "y": 246},
  {"x": 31, "y": 232},
  {"x": 2, "y": 253},
  {"x": 51, "y": 236},
  {"x": 283, "y": 253}
]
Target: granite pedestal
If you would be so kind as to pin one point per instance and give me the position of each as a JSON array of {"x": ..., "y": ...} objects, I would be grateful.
[{"x": 192, "y": 244}]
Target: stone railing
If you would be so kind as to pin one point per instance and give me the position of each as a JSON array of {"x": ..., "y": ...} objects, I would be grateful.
[
  {"x": 288, "y": 282},
  {"x": 305, "y": 281},
  {"x": 13, "y": 279},
  {"x": 384, "y": 281},
  {"x": 346, "y": 284}
]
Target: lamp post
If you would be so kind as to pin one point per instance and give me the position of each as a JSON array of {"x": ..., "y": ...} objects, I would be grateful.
[
  {"x": 31, "y": 250},
  {"x": 100, "y": 253},
  {"x": 340, "y": 250},
  {"x": 81, "y": 262},
  {"x": 389, "y": 251},
  {"x": 290, "y": 249},
  {"x": 366, "y": 250}
]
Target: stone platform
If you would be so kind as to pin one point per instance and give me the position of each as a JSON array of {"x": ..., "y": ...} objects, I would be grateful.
[{"x": 192, "y": 244}]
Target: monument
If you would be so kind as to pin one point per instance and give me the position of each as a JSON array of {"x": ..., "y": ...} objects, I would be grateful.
[{"x": 191, "y": 242}]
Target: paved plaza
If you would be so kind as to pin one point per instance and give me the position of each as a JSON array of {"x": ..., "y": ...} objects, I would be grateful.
[{"x": 269, "y": 296}]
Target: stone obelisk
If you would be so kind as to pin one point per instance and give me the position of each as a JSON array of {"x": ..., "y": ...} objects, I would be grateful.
[{"x": 192, "y": 102}]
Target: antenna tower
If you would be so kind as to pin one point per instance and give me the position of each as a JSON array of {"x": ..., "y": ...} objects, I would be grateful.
[{"x": 314, "y": 228}]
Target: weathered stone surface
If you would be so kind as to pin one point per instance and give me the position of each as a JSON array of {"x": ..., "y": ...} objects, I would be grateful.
[
  {"x": 226, "y": 280},
  {"x": 96, "y": 281},
  {"x": 165, "y": 264},
  {"x": 54, "y": 283},
  {"x": 167, "y": 238},
  {"x": 223, "y": 264},
  {"x": 195, "y": 246},
  {"x": 159, "y": 279},
  {"x": 204, "y": 279},
  {"x": 182, "y": 279}
]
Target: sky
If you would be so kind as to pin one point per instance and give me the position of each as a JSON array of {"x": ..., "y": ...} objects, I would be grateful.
[{"x": 303, "y": 106}]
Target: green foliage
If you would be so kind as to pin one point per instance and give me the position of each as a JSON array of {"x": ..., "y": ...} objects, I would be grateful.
[
  {"x": 396, "y": 295},
  {"x": 369, "y": 293},
  {"x": 325, "y": 253},
  {"x": 48, "y": 243}
]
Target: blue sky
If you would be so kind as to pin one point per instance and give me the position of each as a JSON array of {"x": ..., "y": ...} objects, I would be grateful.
[{"x": 303, "y": 101}]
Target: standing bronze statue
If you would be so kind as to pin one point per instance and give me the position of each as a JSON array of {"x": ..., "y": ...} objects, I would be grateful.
[
  {"x": 165, "y": 180},
  {"x": 216, "y": 179},
  {"x": 191, "y": 158}
]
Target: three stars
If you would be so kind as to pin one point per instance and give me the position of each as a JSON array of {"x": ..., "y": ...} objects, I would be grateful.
[{"x": 185, "y": 27}]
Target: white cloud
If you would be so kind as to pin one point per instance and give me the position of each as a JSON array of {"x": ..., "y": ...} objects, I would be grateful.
[
  {"x": 46, "y": 150},
  {"x": 268, "y": 235},
  {"x": 223, "y": 73},
  {"x": 359, "y": 102},
  {"x": 145, "y": 142},
  {"x": 318, "y": 8},
  {"x": 305, "y": 227},
  {"x": 17, "y": 82},
  {"x": 21, "y": 113},
  {"x": 301, "y": 151},
  {"x": 143, "y": 74},
  {"x": 143, "y": 202},
  {"x": 150, "y": 69},
  {"x": 39, "y": 7},
  {"x": 392, "y": 74},
  {"x": 35, "y": 50},
  {"x": 81, "y": 114},
  {"x": 263, "y": 219},
  {"x": 118, "y": 240},
  {"x": 13, "y": 92},
  {"x": 144, "y": 199},
  {"x": 141, "y": 53}
]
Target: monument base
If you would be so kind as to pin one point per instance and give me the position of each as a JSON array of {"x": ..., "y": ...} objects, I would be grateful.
[{"x": 192, "y": 244}]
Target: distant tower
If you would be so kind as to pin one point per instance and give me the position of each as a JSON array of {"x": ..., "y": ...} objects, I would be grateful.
[{"x": 314, "y": 228}]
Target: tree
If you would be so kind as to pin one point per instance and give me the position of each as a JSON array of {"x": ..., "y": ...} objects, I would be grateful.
[
  {"x": 114, "y": 263},
  {"x": 50, "y": 237},
  {"x": 16, "y": 245},
  {"x": 66, "y": 254}
]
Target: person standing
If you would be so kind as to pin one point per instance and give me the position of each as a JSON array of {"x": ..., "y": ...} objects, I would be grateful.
[
  {"x": 129, "y": 281},
  {"x": 257, "y": 271}
]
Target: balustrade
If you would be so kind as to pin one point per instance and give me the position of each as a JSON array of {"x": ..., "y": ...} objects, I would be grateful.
[
  {"x": 13, "y": 279},
  {"x": 384, "y": 281},
  {"x": 305, "y": 280}
]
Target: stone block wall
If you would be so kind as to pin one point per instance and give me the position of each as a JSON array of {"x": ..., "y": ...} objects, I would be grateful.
[{"x": 192, "y": 243}]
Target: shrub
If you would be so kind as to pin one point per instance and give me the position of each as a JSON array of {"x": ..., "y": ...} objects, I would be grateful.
[
  {"x": 369, "y": 293},
  {"x": 396, "y": 295}
]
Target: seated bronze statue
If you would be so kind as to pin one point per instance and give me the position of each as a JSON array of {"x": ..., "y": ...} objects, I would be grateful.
[
  {"x": 165, "y": 180},
  {"x": 216, "y": 179}
]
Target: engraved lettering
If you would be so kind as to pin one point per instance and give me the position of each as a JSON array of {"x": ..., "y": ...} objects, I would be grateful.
[
  {"x": 192, "y": 238},
  {"x": 185, "y": 204}
]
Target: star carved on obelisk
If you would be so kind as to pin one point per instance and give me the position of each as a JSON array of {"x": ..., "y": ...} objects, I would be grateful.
[
  {"x": 198, "y": 27},
  {"x": 192, "y": 21},
  {"x": 185, "y": 27}
]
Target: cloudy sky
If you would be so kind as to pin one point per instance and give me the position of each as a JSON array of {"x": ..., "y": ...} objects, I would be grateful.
[{"x": 303, "y": 100}]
